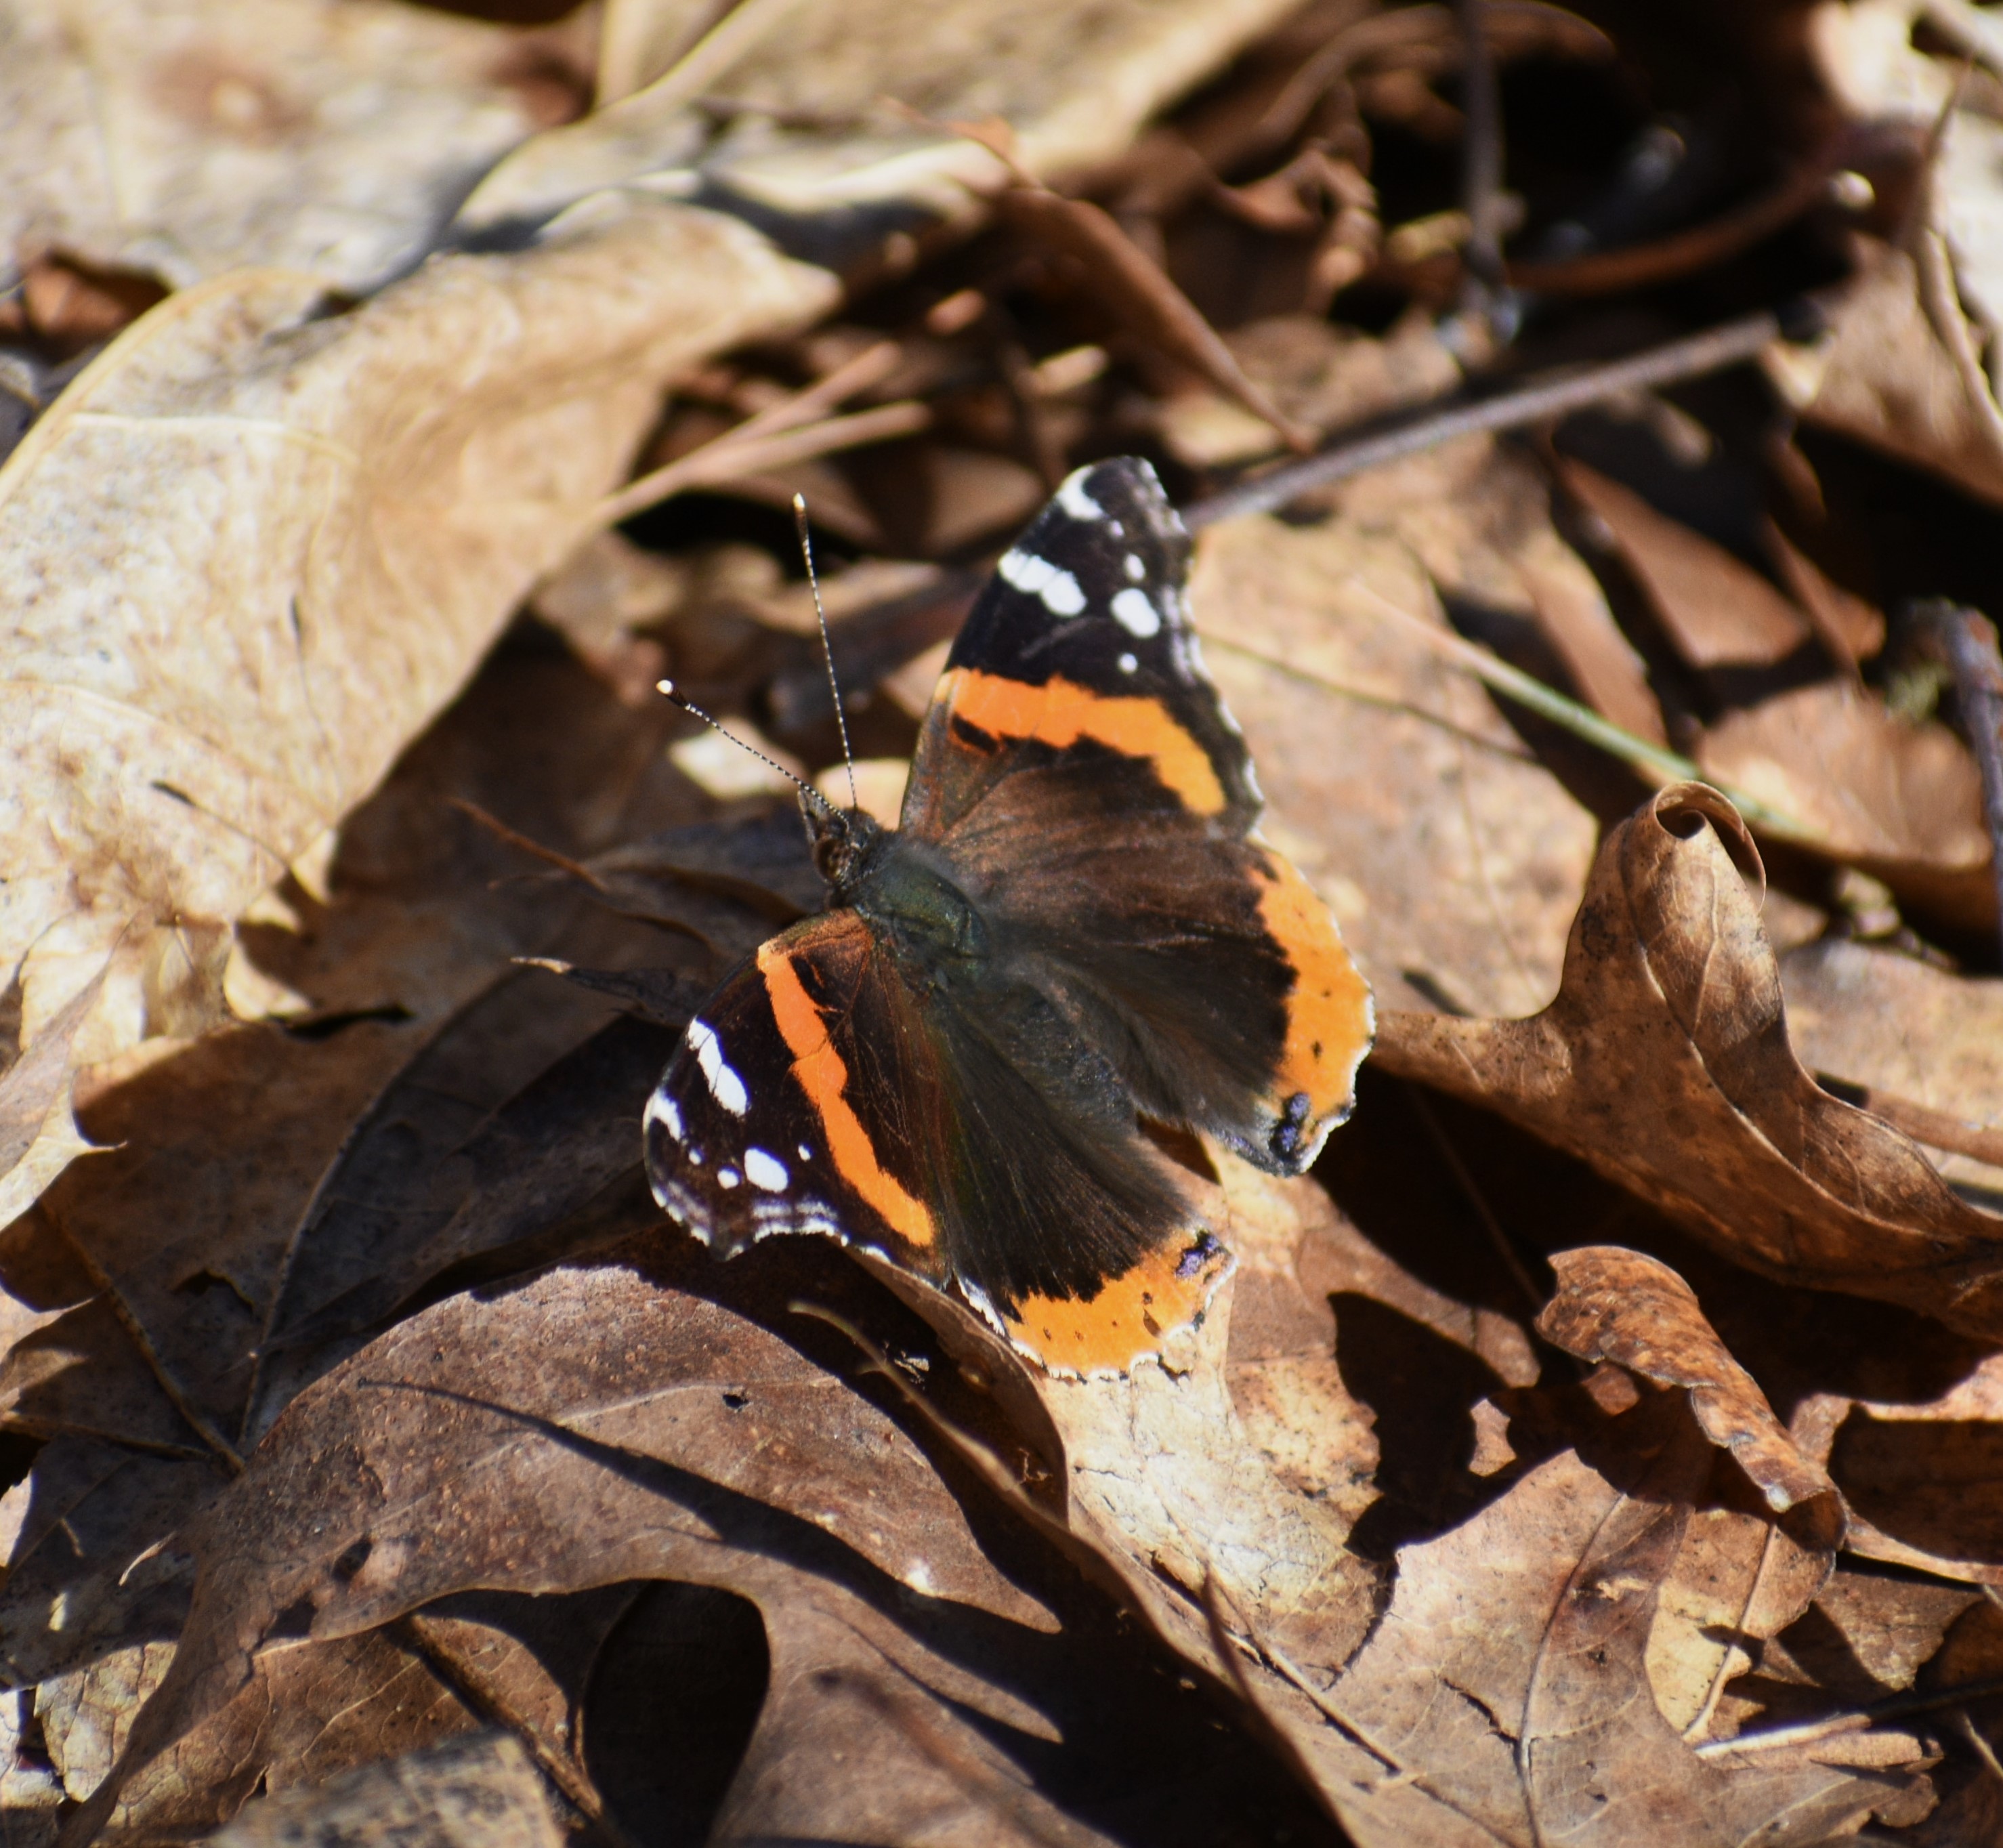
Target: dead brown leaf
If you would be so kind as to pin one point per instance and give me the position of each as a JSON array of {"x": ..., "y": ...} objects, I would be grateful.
[
  {"x": 312, "y": 534},
  {"x": 1630, "y": 1308},
  {"x": 1882, "y": 375},
  {"x": 478, "y": 1788},
  {"x": 1665, "y": 1063},
  {"x": 1895, "y": 1023},
  {"x": 1718, "y": 609},
  {"x": 666, "y": 1435},
  {"x": 1900, "y": 801},
  {"x": 1505, "y": 1697},
  {"x": 1451, "y": 859},
  {"x": 317, "y": 135}
]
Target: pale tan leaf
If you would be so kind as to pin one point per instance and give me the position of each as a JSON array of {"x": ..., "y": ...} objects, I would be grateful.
[
  {"x": 187, "y": 137},
  {"x": 267, "y": 545},
  {"x": 1076, "y": 87},
  {"x": 38, "y": 1136}
]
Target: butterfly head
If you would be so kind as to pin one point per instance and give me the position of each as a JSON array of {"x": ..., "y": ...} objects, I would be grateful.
[{"x": 843, "y": 839}]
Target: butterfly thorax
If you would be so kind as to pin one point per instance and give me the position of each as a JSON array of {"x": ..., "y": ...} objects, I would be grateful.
[{"x": 894, "y": 881}]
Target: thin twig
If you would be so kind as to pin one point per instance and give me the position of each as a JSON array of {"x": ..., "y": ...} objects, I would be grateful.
[
  {"x": 737, "y": 453},
  {"x": 1808, "y": 1732},
  {"x": 1682, "y": 253},
  {"x": 1732, "y": 343},
  {"x": 1481, "y": 166}
]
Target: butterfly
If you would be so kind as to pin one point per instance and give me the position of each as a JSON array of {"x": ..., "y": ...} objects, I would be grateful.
[{"x": 1073, "y": 933}]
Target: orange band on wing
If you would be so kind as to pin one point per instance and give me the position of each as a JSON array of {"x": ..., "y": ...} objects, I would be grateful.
[
  {"x": 1129, "y": 1317},
  {"x": 1059, "y": 713},
  {"x": 1328, "y": 1014},
  {"x": 825, "y": 1078}
]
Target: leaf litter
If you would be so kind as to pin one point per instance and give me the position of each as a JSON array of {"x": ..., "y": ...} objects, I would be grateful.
[{"x": 1601, "y": 1443}]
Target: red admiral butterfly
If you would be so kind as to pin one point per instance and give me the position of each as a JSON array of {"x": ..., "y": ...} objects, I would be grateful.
[{"x": 1074, "y": 927}]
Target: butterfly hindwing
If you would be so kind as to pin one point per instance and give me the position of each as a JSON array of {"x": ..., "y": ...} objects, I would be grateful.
[
  {"x": 973, "y": 1139},
  {"x": 1086, "y": 777}
]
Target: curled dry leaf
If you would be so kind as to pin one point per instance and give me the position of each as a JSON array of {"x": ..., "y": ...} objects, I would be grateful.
[
  {"x": 1630, "y": 1308},
  {"x": 330, "y": 137},
  {"x": 1665, "y": 1063},
  {"x": 1900, "y": 800},
  {"x": 338, "y": 513}
]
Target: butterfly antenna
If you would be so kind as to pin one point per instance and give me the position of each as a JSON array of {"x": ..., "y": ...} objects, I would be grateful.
[
  {"x": 670, "y": 691},
  {"x": 826, "y": 647}
]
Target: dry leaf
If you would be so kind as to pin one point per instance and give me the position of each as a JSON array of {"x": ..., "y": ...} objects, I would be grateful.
[
  {"x": 1505, "y": 1696},
  {"x": 1318, "y": 374},
  {"x": 1900, "y": 801},
  {"x": 1630, "y": 1308},
  {"x": 1665, "y": 1063},
  {"x": 1739, "y": 1580},
  {"x": 1137, "y": 292},
  {"x": 257, "y": 469},
  {"x": 1451, "y": 858},
  {"x": 1921, "y": 1479},
  {"x": 38, "y": 1137},
  {"x": 188, "y": 137},
  {"x": 1892, "y": 1022},
  {"x": 477, "y": 1791},
  {"x": 1882, "y": 374},
  {"x": 813, "y": 134},
  {"x": 662, "y": 1434},
  {"x": 1718, "y": 611},
  {"x": 1903, "y": 366}
]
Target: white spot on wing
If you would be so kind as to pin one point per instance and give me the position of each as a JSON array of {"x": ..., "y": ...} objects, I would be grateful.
[
  {"x": 806, "y": 1154},
  {"x": 725, "y": 1085},
  {"x": 1075, "y": 501},
  {"x": 1135, "y": 614},
  {"x": 1128, "y": 664},
  {"x": 1038, "y": 578},
  {"x": 1134, "y": 568},
  {"x": 661, "y": 1110},
  {"x": 727, "y": 1177},
  {"x": 762, "y": 1170}
]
